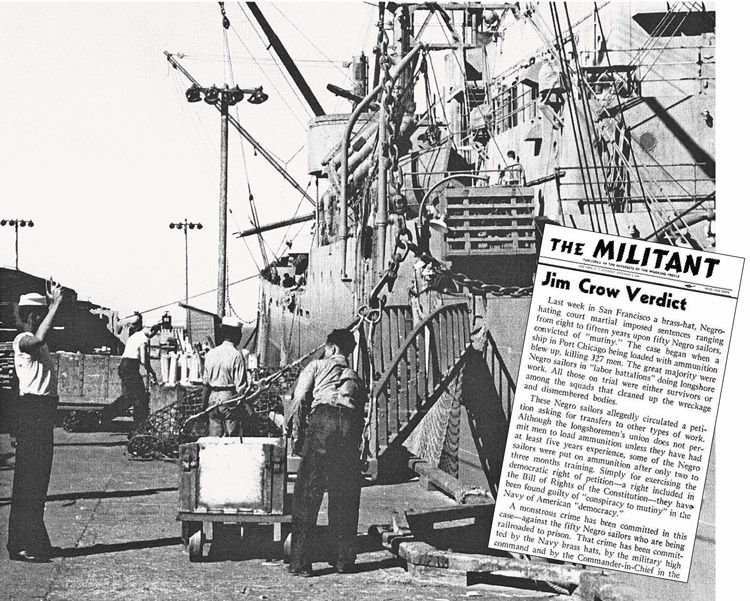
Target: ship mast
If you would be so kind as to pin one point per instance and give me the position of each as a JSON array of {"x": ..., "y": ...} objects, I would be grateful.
[{"x": 287, "y": 60}]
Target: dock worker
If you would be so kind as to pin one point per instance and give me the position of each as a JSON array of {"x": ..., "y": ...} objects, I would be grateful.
[
  {"x": 28, "y": 539},
  {"x": 330, "y": 453},
  {"x": 135, "y": 355},
  {"x": 225, "y": 377}
]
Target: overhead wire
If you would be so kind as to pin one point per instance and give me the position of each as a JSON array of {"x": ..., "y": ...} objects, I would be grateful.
[
  {"x": 228, "y": 68},
  {"x": 195, "y": 124},
  {"x": 296, "y": 212},
  {"x": 283, "y": 72},
  {"x": 255, "y": 218},
  {"x": 192, "y": 296},
  {"x": 251, "y": 59},
  {"x": 281, "y": 96},
  {"x": 302, "y": 33}
]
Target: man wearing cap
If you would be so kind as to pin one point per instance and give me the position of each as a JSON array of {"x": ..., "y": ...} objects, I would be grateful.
[
  {"x": 37, "y": 402},
  {"x": 133, "y": 389},
  {"x": 224, "y": 377},
  {"x": 336, "y": 397}
]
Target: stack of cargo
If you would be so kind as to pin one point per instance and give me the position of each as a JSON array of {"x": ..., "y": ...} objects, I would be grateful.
[{"x": 6, "y": 366}]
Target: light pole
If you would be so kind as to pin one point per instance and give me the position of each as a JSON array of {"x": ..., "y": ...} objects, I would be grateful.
[
  {"x": 223, "y": 98},
  {"x": 186, "y": 225},
  {"x": 16, "y": 223}
]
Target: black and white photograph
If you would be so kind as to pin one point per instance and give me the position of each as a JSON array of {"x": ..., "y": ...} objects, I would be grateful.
[{"x": 371, "y": 300}]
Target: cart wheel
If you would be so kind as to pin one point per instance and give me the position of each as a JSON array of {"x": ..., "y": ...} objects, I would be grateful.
[
  {"x": 170, "y": 447},
  {"x": 288, "y": 548},
  {"x": 73, "y": 422},
  {"x": 144, "y": 446},
  {"x": 195, "y": 544}
]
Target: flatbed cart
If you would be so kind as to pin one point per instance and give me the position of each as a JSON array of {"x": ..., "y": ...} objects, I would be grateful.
[
  {"x": 238, "y": 480},
  {"x": 232, "y": 480}
]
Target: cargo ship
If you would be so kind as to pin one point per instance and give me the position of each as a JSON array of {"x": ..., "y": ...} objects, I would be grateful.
[{"x": 434, "y": 193}]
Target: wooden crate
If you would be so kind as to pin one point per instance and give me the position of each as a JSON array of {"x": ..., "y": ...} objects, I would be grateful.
[{"x": 233, "y": 476}]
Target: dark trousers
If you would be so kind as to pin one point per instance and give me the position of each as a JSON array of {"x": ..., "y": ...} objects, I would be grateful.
[
  {"x": 330, "y": 460},
  {"x": 35, "y": 420},
  {"x": 133, "y": 393}
]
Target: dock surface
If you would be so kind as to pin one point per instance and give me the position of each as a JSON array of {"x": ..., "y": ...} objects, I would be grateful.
[{"x": 114, "y": 519}]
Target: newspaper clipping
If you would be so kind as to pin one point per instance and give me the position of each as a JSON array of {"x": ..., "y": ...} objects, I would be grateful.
[{"x": 616, "y": 403}]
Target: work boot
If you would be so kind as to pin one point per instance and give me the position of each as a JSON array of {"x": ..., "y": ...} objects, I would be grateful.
[{"x": 301, "y": 570}]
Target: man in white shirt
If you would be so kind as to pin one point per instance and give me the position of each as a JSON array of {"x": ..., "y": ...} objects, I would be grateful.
[
  {"x": 513, "y": 174},
  {"x": 135, "y": 355},
  {"x": 224, "y": 377},
  {"x": 28, "y": 539}
]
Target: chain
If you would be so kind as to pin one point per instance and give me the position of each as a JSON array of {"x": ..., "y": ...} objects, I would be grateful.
[
  {"x": 370, "y": 314},
  {"x": 474, "y": 286},
  {"x": 397, "y": 207},
  {"x": 481, "y": 288}
]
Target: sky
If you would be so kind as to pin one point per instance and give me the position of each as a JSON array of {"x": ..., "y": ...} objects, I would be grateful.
[
  {"x": 100, "y": 148},
  {"x": 102, "y": 151}
]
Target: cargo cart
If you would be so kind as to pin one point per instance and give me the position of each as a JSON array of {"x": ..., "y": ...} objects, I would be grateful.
[
  {"x": 86, "y": 385},
  {"x": 232, "y": 480}
]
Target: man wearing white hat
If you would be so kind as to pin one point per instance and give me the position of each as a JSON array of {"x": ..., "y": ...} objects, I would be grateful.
[
  {"x": 28, "y": 539},
  {"x": 224, "y": 377},
  {"x": 135, "y": 355}
]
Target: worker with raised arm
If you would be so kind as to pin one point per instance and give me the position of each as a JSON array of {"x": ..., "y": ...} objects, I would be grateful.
[{"x": 28, "y": 539}]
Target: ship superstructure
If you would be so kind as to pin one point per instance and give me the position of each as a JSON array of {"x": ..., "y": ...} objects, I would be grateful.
[
  {"x": 473, "y": 126},
  {"x": 608, "y": 109}
]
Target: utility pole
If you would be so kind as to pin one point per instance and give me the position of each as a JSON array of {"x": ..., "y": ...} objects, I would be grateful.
[
  {"x": 222, "y": 98},
  {"x": 221, "y": 290},
  {"x": 16, "y": 223},
  {"x": 186, "y": 225},
  {"x": 243, "y": 132}
]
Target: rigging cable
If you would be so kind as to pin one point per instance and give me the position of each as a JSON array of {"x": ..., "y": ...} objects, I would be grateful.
[
  {"x": 566, "y": 83},
  {"x": 229, "y": 68},
  {"x": 283, "y": 72},
  {"x": 281, "y": 96},
  {"x": 323, "y": 54},
  {"x": 621, "y": 111},
  {"x": 648, "y": 198},
  {"x": 217, "y": 58},
  {"x": 296, "y": 212},
  {"x": 590, "y": 129},
  {"x": 253, "y": 207},
  {"x": 192, "y": 296}
]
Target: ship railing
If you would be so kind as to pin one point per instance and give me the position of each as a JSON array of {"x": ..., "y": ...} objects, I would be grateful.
[
  {"x": 505, "y": 386},
  {"x": 420, "y": 371},
  {"x": 377, "y": 344},
  {"x": 681, "y": 181},
  {"x": 487, "y": 394},
  {"x": 493, "y": 175}
]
